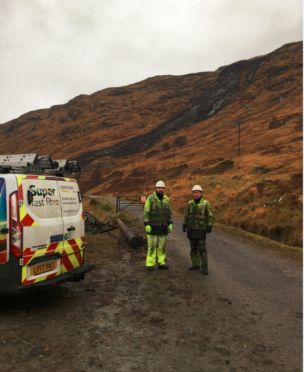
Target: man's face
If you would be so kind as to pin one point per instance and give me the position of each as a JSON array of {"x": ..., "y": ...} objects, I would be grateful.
[
  {"x": 160, "y": 190},
  {"x": 197, "y": 194}
]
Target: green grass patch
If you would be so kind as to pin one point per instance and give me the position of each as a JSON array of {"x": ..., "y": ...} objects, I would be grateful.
[
  {"x": 102, "y": 204},
  {"x": 292, "y": 254},
  {"x": 101, "y": 208}
]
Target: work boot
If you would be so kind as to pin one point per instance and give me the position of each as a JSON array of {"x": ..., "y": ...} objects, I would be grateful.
[
  {"x": 194, "y": 268},
  {"x": 205, "y": 271},
  {"x": 163, "y": 267},
  {"x": 150, "y": 268}
]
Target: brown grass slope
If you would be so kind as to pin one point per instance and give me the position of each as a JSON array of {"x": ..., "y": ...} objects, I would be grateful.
[{"x": 115, "y": 134}]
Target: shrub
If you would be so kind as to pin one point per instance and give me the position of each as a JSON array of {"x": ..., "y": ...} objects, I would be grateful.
[
  {"x": 105, "y": 207},
  {"x": 166, "y": 146},
  {"x": 180, "y": 141},
  {"x": 253, "y": 206},
  {"x": 102, "y": 205},
  {"x": 275, "y": 123},
  {"x": 296, "y": 180},
  {"x": 260, "y": 212},
  {"x": 253, "y": 191},
  {"x": 244, "y": 211},
  {"x": 93, "y": 202},
  {"x": 231, "y": 196}
]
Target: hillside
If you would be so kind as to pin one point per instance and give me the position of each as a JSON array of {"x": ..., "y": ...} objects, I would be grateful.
[{"x": 115, "y": 134}]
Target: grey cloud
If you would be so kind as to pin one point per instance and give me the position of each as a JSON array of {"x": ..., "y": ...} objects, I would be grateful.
[{"x": 52, "y": 51}]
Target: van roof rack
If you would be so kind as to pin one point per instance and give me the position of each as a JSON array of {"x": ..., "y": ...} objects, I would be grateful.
[{"x": 33, "y": 163}]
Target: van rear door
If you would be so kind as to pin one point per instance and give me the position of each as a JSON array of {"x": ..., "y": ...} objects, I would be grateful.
[
  {"x": 4, "y": 255},
  {"x": 73, "y": 224},
  {"x": 40, "y": 215}
]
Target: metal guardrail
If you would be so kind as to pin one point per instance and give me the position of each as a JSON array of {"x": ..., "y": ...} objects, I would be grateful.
[{"x": 133, "y": 203}]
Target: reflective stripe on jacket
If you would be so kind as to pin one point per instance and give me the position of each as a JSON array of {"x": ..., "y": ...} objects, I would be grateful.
[
  {"x": 198, "y": 216},
  {"x": 157, "y": 212}
]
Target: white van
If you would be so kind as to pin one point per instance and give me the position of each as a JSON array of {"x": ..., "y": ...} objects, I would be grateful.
[{"x": 42, "y": 233}]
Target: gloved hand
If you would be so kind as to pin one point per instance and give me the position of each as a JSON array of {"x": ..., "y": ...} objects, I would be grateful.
[
  {"x": 184, "y": 227},
  {"x": 170, "y": 228},
  {"x": 148, "y": 229},
  {"x": 209, "y": 229}
]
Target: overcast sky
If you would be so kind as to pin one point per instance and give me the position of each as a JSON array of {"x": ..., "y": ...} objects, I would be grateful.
[{"x": 54, "y": 50}]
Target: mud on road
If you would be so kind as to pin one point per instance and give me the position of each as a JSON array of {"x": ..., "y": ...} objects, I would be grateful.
[{"x": 123, "y": 318}]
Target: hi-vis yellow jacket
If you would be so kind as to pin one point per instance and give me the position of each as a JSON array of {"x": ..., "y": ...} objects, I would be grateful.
[
  {"x": 158, "y": 214},
  {"x": 197, "y": 217}
]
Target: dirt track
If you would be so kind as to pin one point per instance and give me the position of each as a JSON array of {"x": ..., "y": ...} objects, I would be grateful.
[
  {"x": 264, "y": 290},
  {"x": 245, "y": 316}
]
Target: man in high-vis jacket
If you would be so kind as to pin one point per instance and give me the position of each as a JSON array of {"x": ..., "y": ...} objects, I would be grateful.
[
  {"x": 158, "y": 222},
  {"x": 198, "y": 221}
]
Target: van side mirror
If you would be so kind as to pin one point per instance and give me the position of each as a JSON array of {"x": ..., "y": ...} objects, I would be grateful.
[
  {"x": 79, "y": 197},
  {"x": 30, "y": 197}
]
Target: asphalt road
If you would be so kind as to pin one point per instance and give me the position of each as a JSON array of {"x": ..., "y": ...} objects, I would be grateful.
[{"x": 260, "y": 285}]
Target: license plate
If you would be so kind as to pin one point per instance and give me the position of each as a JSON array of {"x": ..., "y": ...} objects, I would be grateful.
[{"x": 43, "y": 268}]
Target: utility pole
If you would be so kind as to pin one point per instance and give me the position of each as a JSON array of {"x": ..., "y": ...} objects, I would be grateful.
[
  {"x": 97, "y": 172},
  {"x": 160, "y": 146},
  {"x": 132, "y": 162}
]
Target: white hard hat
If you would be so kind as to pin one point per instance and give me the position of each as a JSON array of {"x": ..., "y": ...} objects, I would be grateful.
[
  {"x": 197, "y": 188},
  {"x": 160, "y": 184}
]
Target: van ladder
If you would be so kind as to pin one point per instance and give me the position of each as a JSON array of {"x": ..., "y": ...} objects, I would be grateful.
[{"x": 33, "y": 163}]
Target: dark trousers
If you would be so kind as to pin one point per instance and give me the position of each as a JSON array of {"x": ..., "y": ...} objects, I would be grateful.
[{"x": 198, "y": 254}]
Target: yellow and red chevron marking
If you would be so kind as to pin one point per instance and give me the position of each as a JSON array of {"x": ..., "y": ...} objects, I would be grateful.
[
  {"x": 25, "y": 218},
  {"x": 71, "y": 257},
  {"x": 3, "y": 257},
  {"x": 28, "y": 255},
  {"x": 3, "y": 249},
  {"x": 20, "y": 188}
]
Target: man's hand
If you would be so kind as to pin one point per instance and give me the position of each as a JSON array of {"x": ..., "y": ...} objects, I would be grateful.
[
  {"x": 184, "y": 227},
  {"x": 170, "y": 228},
  {"x": 209, "y": 229},
  {"x": 148, "y": 229}
]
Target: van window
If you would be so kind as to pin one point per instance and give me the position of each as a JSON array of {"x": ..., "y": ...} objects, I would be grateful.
[
  {"x": 43, "y": 196},
  {"x": 69, "y": 194}
]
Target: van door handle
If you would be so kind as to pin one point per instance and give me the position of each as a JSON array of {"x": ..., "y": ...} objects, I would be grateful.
[
  {"x": 30, "y": 197},
  {"x": 71, "y": 228},
  {"x": 4, "y": 231}
]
